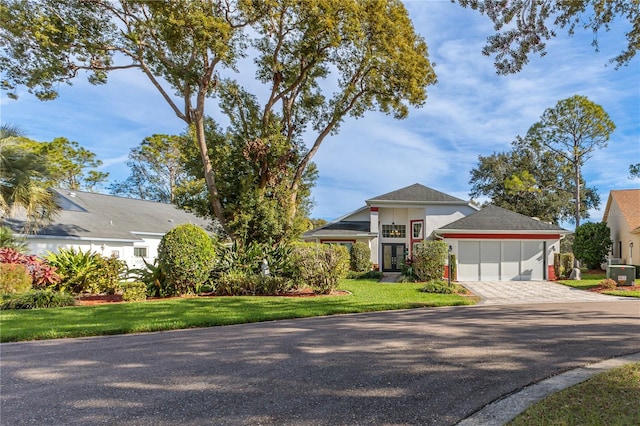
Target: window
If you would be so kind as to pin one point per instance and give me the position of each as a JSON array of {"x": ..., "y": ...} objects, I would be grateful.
[
  {"x": 140, "y": 251},
  {"x": 115, "y": 254},
  {"x": 394, "y": 231},
  {"x": 416, "y": 232}
]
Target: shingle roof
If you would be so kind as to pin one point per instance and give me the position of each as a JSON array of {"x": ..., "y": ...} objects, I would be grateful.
[
  {"x": 628, "y": 201},
  {"x": 341, "y": 228},
  {"x": 92, "y": 215},
  {"x": 418, "y": 193},
  {"x": 494, "y": 218}
]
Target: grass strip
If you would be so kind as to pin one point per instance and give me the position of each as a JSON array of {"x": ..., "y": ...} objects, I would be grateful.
[
  {"x": 191, "y": 312},
  {"x": 610, "y": 398}
]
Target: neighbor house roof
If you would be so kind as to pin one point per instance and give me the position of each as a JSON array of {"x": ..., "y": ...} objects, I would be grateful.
[
  {"x": 416, "y": 193},
  {"x": 87, "y": 215},
  {"x": 628, "y": 201},
  {"x": 497, "y": 219}
]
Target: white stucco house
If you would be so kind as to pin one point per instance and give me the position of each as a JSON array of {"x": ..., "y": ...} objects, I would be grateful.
[
  {"x": 125, "y": 228},
  {"x": 622, "y": 215},
  {"x": 490, "y": 243}
]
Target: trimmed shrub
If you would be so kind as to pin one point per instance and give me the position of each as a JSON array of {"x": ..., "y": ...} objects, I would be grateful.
[
  {"x": 319, "y": 266},
  {"x": 429, "y": 260},
  {"x": 134, "y": 291},
  {"x": 15, "y": 278},
  {"x": 186, "y": 255},
  {"x": 609, "y": 284},
  {"x": 438, "y": 286},
  {"x": 37, "y": 299},
  {"x": 42, "y": 274},
  {"x": 360, "y": 257}
]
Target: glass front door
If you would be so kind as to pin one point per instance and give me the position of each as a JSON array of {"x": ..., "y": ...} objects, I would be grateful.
[{"x": 392, "y": 257}]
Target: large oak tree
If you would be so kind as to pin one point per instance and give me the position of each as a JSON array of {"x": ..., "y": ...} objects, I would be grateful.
[{"x": 321, "y": 61}]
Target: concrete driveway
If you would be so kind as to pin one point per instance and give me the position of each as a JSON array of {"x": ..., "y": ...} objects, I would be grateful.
[
  {"x": 527, "y": 292},
  {"x": 416, "y": 367}
]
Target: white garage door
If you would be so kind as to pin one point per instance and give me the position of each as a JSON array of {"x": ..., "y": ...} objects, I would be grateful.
[{"x": 500, "y": 260}]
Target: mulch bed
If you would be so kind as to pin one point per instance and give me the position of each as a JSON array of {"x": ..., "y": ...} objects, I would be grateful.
[
  {"x": 101, "y": 299},
  {"x": 600, "y": 289}
]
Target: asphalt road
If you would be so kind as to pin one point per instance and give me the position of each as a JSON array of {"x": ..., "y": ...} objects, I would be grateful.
[{"x": 416, "y": 367}]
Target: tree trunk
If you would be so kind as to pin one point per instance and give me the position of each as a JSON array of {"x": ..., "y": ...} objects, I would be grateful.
[
  {"x": 209, "y": 175},
  {"x": 577, "y": 194}
]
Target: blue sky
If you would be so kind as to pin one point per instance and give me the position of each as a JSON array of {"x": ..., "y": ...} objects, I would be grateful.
[{"x": 471, "y": 111}]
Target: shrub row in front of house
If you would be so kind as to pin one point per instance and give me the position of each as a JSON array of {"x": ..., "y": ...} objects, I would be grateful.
[{"x": 189, "y": 262}]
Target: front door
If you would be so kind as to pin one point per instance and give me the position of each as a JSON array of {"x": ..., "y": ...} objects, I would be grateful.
[{"x": 392, "y": 257}]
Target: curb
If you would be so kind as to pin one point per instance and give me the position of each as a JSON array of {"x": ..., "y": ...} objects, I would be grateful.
[{"x": 506, "y": 409}]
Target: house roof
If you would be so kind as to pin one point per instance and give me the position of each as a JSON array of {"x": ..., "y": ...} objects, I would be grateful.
[
  {"x": 494, "y": 218},
  {"x": 344, "y": 228},
  {"x": 416, "y": 193},
  {"x": 628, "y": 201},
  {"x": 87, "y": 215}
]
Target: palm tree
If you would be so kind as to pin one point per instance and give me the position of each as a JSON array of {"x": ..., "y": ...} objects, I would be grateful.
[{"x": 22, "y": 177}]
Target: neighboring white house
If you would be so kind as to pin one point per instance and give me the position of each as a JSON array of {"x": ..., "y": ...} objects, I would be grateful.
[
  {"x": 490, "y": 244},
  {"x": 622, "y": 215},
  {"x": 121, "y": 227}
]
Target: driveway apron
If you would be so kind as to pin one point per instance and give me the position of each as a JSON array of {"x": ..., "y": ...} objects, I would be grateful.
[{"x": 526, "y": 292}]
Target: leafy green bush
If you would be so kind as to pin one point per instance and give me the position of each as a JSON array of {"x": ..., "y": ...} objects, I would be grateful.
[
  {"x": 87, "y": 272},
  {"x": 186, "y": 255},
  {"x": 37, "y": 299},
  {"x": 237, "y": 283},
  {"x": 429, "y": 260},
  {"x": 249, "y": 257},
  {"x": 134, "y": 291},
  {"x": 438, "y": 286},
  {"x": 360, "y": 257},
  {"x": 369, "y": 275},
  {"x": 15, "y": 278},
  {"x": 109, "y": 272},
  {"x": 320, "y": 266},
  {"x": 153, "y": 277},
  {"x": 42, "y": 274},
  {"x": 591, "y": 244}
]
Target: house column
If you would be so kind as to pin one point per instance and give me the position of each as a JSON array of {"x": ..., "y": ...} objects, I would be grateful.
[{"x": 375, "y": 242}]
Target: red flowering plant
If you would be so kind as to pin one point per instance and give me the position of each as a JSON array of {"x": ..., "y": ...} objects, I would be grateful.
[{"x": 42, "y": 274}]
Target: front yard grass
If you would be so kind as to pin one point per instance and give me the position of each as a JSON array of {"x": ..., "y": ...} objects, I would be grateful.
[
  {"x": 191, "y": 312},
  {"x": 609, "y": 398}
]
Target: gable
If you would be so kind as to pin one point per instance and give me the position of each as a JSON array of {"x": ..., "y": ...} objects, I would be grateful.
[
  {"x": 416, "y": 193},
  {"x": 628, "y": 203}
]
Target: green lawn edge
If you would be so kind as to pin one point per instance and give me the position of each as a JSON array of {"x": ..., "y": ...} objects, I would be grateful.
[
  {"x": 609, "y": 398},
  {"x": 194, "y": 312}
]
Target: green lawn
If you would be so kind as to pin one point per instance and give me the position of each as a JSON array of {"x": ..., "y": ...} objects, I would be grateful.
[
  {"x": 590, "y": 281},
  {"x": 171, "y": 314},
  {"x": 610, "y": 398}
]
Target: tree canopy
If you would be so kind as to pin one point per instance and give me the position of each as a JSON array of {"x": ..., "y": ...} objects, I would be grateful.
[
  {"x": 573, "y": 130},
  {"x": 531, "y": 181},
  {"x": 157, "y": 168},
  {"x": 320, "y": 62},
  {"x": 523, "y": 26}
]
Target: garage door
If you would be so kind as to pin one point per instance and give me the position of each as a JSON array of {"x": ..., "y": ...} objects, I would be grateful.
[{"x": 500, "y": 260}]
